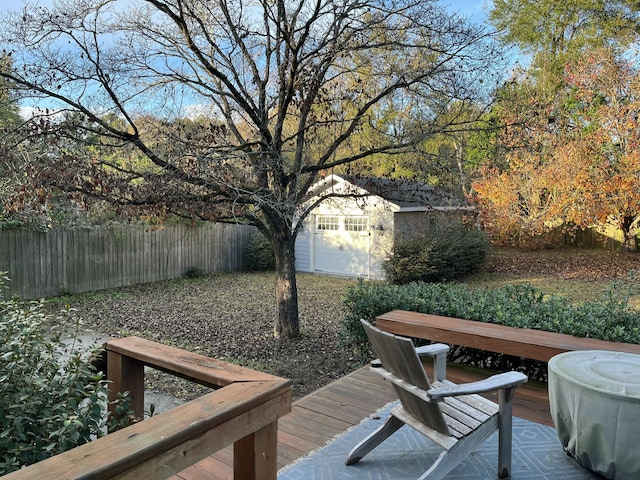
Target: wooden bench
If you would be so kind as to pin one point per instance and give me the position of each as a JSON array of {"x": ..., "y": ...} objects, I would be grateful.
[
  {"x": 243, "y": 411},
  {"x": 519, "y": 342}
]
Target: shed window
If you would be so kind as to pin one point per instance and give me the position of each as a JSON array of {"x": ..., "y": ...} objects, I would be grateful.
[
  {"x": 356, "y": 224},
  {"x": 327, "y": 223}
]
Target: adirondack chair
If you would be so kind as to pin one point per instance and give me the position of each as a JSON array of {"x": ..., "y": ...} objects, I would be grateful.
[{"x": 453, "y": 416}]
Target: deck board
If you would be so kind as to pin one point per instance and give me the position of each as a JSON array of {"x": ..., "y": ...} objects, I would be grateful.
[{"x": 318, "y": 417}]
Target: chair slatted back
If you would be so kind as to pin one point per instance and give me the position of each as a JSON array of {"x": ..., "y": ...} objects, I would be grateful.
[{"x": 398, "y": 356}]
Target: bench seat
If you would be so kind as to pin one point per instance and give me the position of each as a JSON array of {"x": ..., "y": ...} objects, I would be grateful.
[{"x": 519, "y": 342}]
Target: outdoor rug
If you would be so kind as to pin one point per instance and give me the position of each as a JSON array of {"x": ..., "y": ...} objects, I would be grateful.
[{"x": 537, "y": 455}]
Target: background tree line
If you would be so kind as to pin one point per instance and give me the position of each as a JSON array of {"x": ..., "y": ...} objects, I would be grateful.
[{"x": 566, "y": 153}]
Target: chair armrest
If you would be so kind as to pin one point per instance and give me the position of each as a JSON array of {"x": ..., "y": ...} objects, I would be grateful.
[
  {"x": 432, "y": 350},
  {"x": 438, "y": 351},
  {"x": 495, "y": 382}
]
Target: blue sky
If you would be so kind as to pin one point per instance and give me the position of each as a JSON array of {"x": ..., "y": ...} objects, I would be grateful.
[
  {"x": 476, "y": 9},
  {"x": 470, "y": 8}
]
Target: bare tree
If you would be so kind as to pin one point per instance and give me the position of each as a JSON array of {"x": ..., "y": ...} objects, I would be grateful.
[{"x": 285, "y": 89}]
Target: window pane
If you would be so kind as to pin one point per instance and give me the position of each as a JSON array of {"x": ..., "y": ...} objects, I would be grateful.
[
  {"x": 327, "y": 223},
  {"x": 356, "y": 224}
]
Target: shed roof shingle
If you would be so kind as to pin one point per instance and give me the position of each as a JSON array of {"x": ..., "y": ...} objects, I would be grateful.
[{"x": 406, "y": 193}]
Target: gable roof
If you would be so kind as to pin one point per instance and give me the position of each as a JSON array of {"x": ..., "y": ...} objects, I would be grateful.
[{"x": 407, "y": 194}]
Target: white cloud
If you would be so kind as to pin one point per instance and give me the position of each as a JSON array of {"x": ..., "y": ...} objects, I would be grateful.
[{"x": 200, "y": 111}]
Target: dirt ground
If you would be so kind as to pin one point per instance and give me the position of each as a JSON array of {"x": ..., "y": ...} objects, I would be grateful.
[{"x": 231, "y": 316}]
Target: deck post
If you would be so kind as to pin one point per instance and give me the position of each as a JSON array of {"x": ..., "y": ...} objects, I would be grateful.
[
  {"x": 126, "y": 374},
  {"x": 255, "y": 457}
]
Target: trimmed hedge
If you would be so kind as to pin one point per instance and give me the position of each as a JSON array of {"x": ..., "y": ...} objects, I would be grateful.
[{"x": 608, "y": 318}]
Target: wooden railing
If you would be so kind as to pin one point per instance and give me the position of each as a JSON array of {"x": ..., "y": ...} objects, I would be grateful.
[{"x": 243, "y": 411}]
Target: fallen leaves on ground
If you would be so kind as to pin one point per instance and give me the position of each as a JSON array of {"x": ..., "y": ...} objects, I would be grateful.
[
  {"x": 569, "y": 264},
  {"x": 231, "y": 316}
]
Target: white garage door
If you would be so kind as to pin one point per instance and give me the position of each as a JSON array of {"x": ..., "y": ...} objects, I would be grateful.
[{"x": 342, "y": 245}]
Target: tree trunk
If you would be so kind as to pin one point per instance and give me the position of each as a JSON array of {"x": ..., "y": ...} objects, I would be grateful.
[
  {"x": 287, "y": 324},
  {"x": 630, "y": 238}
]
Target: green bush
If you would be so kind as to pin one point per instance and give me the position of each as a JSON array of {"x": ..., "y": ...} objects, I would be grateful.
[
  {"x": 608, "y": 318},
  {"x": 259, "y": 254},
  {"x": 437, "y": 256},
  {"x": 193, "y": 272},
  {"x": 53, "y": 399}
]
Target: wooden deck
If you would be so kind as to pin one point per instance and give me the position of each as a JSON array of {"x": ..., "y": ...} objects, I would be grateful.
[{"x": 320, "y": 416}]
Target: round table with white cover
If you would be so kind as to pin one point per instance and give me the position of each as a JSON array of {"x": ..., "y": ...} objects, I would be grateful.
[{"x": 594, "y": 397}]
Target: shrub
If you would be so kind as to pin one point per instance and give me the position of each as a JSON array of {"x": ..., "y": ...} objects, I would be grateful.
[
  {"x": 608, "y": 318},
  {"x": 53, "y": 399},
  {"x": 440, "y": 255},
  {"x": 259, "y": 254},
  {"x": 193, "y": 272}
]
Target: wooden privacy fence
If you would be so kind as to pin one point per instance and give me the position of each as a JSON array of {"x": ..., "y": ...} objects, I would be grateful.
[{"x": 43, "y": 264}]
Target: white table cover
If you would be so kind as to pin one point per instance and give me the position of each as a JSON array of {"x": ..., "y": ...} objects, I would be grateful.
[{"x": 594, "y": 397}]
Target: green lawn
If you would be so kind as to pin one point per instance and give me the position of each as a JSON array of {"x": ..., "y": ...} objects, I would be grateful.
[{"x": 579, "y": 275}]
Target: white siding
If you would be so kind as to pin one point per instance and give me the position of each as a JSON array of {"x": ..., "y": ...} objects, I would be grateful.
[{"x": 304, "y": 246}]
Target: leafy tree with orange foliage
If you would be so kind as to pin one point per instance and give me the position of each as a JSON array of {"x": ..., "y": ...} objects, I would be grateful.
[{"x": 573, "y": 163}]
